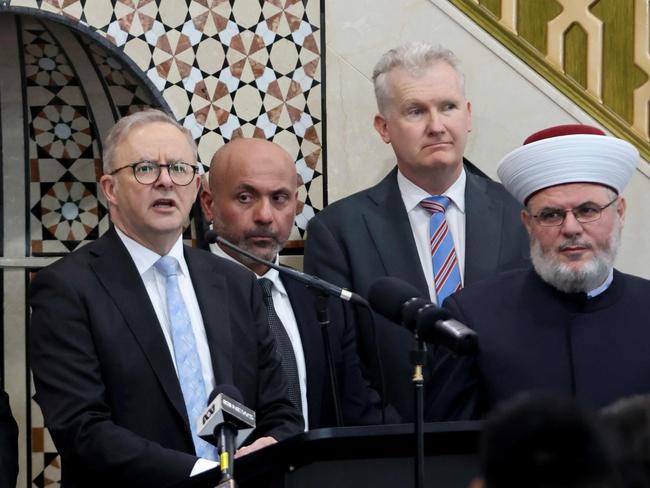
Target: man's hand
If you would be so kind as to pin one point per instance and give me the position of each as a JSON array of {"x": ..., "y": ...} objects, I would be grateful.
[{"x": 258, "y": 444}]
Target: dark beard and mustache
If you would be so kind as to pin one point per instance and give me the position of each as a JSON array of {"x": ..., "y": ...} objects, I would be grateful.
[
  {"x": 267, "y": 252},
  {"x": 590, "y": 276}
]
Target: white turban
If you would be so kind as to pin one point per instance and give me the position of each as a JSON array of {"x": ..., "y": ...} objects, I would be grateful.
[{"x": 567, "y": 154}]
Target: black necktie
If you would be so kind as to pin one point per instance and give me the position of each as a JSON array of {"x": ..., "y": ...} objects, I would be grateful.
[{"x": 284, "y": 344}]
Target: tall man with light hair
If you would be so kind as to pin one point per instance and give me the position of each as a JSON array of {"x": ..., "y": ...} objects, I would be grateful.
[
  {"x": 131, "y": 333},
  {"x": 430, "y": 221},
  {"x": 571, "y": 323}
]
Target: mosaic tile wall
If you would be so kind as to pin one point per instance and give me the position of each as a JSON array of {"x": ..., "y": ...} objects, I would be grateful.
[
  {"x": 64, "y": 156},
  {"x": 223, "y": 68}
]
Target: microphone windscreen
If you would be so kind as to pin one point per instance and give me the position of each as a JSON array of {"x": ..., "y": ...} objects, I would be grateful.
[
  {"x": 229, "y": 390},
  {"x": 389, "y": 295},
  {"x": 453, "y": 335},
  {"x": 211, "y": 237}
]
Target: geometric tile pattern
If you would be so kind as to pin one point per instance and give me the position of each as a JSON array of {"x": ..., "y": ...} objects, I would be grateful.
[
  {"x": 596, "y": 52},
  {"x": 125, "y": 92},
  {"x": 229, "y": 69},
  {"x": 226, "y": 68},
  {"x": 66, "y": 206},
  {"x": 46, "y": 462}
]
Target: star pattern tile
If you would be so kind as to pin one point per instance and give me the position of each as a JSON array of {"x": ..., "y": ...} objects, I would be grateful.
[
  {"x": 65, "y": 211},
  {"x": 255, "y": 78},
  {"x": 127, "y": 94}
]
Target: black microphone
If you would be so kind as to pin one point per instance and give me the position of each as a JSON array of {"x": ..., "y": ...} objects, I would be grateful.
[
  {"x": 402, "y": 303},
  {"x": 449, "y": 332},
  {"x": 220, "y": 422},
  {"x": 397, "y": 300},
  {"x": 312, "y": 281}
]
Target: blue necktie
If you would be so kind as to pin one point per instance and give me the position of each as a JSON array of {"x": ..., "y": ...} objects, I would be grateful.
[
  {"x": 446, "y": 273},
  {"x": 187, "y": 357}
]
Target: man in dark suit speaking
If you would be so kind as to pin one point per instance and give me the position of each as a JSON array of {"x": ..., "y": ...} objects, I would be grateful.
[
  {"x": 131, "y": 333},
  {"x": 429, "y": 222},
  {"x": 252, "y": 201}
]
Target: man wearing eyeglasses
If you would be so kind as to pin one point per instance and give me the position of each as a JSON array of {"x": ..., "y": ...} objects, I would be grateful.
[
  {"x": 572, "y": 323},
  {"x": 130, "y": 334}
]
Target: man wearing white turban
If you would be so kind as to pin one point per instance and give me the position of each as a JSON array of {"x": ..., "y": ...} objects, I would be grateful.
[{"x": 571, "y": 323}]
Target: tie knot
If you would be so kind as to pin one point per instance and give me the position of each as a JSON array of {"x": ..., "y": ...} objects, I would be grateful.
[
  {"x": 435, "y": 204},
  {"x": 267, "y": 287},
  {"x": 167, "y": 265}
]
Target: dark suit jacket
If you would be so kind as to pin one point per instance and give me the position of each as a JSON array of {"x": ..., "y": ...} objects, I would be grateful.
[
  {"x": 8, "y": 444},
  {"x": 360, "y": 405},
  {"x": 365, "y": 236},
  {"x": 104, "y": 376}
]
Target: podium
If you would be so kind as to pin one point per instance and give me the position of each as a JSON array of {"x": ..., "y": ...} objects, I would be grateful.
[{"x": 358, "y": 457}]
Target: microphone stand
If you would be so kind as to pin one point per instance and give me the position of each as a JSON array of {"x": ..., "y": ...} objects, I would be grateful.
[
  {"x": 311, "y": 281},
  {"x": 322, "y": 313},
  {"x": 227, "y": 483},
  {"x": 418, "y": 360},
  {"x": 324, "y": 290},
  {"x": 227, "y": 435}
]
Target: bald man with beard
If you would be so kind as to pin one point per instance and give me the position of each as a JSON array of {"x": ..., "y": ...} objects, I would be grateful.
[{"x": 252, "y": 201}]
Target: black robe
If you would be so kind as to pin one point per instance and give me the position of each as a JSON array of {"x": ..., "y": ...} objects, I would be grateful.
[{"x": 534, "y": 337}]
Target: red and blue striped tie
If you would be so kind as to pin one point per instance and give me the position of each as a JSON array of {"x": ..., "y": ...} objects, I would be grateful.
[{"x": 446, "y": 273}]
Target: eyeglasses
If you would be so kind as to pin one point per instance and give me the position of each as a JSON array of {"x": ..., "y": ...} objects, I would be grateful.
[
  {"x": 148, "y": 172},
  {"x": 587, "y": 212}
]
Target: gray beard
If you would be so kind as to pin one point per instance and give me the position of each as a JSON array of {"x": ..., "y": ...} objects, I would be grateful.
[{"x": 589, "y": 277}]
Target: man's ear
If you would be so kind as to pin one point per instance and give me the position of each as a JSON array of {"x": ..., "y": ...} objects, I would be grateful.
[
  {"x": 107, "y": 183},
  {"x": 381, "y": 126},
  {"x": 206, "y": 204},
  {"x": 620, "y": 209},
  {"x": 526, "y": 219}
]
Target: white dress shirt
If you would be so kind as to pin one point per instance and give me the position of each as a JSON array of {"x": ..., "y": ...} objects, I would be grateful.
[
  {"x": 419, "y": 219},
  {"x": 156, "y": 285},
  {"x": 283, "y": 308}
]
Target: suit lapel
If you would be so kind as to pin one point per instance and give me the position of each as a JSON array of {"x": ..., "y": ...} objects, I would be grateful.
[
  {"x": 211, "y": 293},
  {"x": 302, "y": 303},
  {"x": 390, "y": 230},
  {"x": 483, "y": 230},
  {"x": 119, "y": 276}
]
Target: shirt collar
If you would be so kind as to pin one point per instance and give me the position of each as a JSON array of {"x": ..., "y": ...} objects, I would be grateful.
[
  {"x": 413, "y": 194},
  {"x": 272, "y": 274},
  {"x": 604, "y": 286},
  {"x": 144, "y": 258}
]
